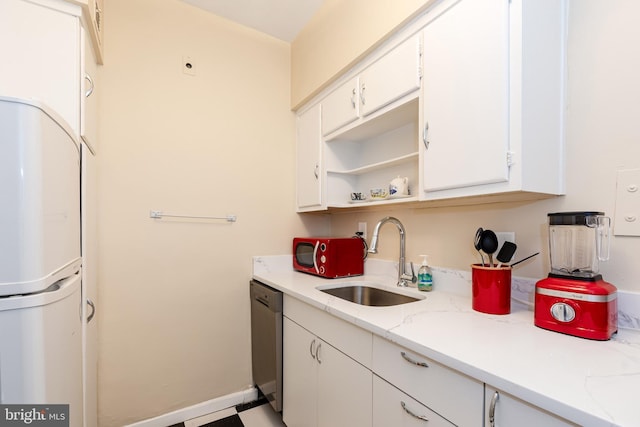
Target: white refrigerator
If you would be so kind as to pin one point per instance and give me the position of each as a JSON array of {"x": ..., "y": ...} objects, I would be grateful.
[{"x": 40, "y": 259}]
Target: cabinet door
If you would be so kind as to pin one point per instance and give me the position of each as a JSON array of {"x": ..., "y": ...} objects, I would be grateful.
[
  {"x": 299, "y": 380},
  {"x": 40, "y": 51},
  {"x": 340, "y": 107},
  {"x": 392, "y": 407},
  {"x": 394, "y": 75},
  {"x": 89, "y": 201},
  {"x": 503, "y": 410},
  {"x": 89, "y": 95},
  {"x": 344, "y": 390},
  {"x": 308, "y": 161},
  {"x": 466, "y": 108}
]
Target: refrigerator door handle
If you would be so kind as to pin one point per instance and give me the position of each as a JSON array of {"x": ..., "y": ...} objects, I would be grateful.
[{"x": 93, "y": 310}]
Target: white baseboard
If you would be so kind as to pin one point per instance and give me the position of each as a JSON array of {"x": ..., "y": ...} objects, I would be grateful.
[{"x": 200, "y": 409}]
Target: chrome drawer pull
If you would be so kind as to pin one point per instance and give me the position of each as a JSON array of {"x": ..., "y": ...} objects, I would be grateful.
[
  {"x": 420, "y": 417},
  {"x": 312, "y": 349},
  {"x": 318, "y": 353},
  {"x": 93, "y": 310},
  {"x": 91, "y": 86},
  {"x": 410, "y": 360},
  {"x": 492, "y": 409}
]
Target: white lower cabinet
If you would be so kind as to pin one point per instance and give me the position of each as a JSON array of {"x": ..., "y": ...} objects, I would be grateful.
[
  {"x": 504, "y": 410},
  {"x": 336, "y": 374},
  {"x": 392, "y": 407},
  {"x": 455, "y": 396},
  {"x": 321, "y": 385}
]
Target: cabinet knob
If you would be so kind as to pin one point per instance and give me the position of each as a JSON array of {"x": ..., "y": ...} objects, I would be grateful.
[
  {"x": 318, "y": 353},
  {"x": 316, "y": 171},
  {"x": 362, "y": 88},
  {"x": 353, "y": 98}
]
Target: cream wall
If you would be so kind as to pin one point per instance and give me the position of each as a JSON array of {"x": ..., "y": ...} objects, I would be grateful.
[
  {"x": 339, "y": 34},
  {"x": 174, "y": 305},
  {"x": 602, "y": 135},
  {"x": 174, "y": 300}
]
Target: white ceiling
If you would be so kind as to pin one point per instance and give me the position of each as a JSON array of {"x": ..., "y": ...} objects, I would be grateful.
[{"x": 282, "y": 19}]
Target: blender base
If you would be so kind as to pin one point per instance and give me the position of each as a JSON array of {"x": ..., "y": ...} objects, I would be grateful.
[{"x": 581, "y": 308}]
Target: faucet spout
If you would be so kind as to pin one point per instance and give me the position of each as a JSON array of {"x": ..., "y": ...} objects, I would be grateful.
[{"x": 404, "y": 279}]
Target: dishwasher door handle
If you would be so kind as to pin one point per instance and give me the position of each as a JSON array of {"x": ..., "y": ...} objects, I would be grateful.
[{"x": 262, "y": 301}]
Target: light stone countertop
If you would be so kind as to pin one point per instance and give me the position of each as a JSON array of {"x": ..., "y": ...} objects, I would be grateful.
[{"x": 591, "y": 383}]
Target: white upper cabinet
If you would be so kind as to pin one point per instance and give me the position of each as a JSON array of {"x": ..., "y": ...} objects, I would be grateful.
[
  {"x": 89, "y": 95},
  {"x": 40, "y": 50},
  {"x": 309, "y": 155},
  {"x": 394, "y": 75},
  {"x": 340, "y": 107},
  {"x": 493, "y": 99},
  {"x": 387, "y": 79},
  {"x": 96, "y": 16},
  {"x": 466, "y": 103}
]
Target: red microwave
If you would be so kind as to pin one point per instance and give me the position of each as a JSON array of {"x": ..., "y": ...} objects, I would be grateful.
[{"x": 328, "y": 256}]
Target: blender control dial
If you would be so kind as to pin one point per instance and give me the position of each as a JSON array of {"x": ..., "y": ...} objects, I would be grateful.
[{"x": 563, "y": 312}]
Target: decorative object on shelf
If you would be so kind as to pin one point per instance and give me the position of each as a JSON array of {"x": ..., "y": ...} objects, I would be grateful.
[
  {"x": 399, "y": 186},
  {"x": 379, "y": 193},
  {"x": 358, "y": 197}
]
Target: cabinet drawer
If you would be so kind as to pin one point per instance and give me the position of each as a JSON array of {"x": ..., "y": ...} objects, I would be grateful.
[
  {"x": 508, "y": 410},
  {"x": 456, "y": 396},
  {"x": 353, "y": 341},
  {"x": 392, "y": 407}
]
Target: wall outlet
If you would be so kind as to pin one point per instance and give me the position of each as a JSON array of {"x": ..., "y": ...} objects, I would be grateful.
[{"x": 362, "y": 228}]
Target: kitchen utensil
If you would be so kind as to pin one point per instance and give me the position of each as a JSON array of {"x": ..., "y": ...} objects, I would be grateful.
[
  {"x": 574, "y": 299},
  {"x": 506, "y": 253},
  {"x": 489, "y": 244},
  {"x": 476, "y": 243},
  {"x": 524, "y": 259}
]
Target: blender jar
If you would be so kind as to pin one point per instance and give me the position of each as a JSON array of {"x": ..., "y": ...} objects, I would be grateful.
[{"x": 577, "y": 242}]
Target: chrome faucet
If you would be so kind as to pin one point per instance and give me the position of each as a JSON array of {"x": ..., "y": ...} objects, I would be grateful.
[{"x": 404, "y": 279}]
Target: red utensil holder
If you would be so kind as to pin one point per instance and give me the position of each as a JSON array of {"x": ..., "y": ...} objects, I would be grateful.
[{"x": 491, "y": 289}]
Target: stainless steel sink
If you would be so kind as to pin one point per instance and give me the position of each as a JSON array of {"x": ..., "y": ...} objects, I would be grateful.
[{"x": 367, "y": 295}]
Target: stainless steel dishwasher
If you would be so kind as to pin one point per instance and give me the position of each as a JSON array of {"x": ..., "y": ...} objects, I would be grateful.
[{"x": 266, "y": 341}]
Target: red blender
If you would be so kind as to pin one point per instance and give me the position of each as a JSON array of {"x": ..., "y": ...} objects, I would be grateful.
[{"x": 574, "y": 299}]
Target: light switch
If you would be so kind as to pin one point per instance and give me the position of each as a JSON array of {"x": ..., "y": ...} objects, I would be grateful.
[{"x": 627, "y": 216}]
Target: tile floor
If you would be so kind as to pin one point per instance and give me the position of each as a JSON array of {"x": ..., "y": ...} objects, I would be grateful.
[{"x": 255, "y": 414}]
